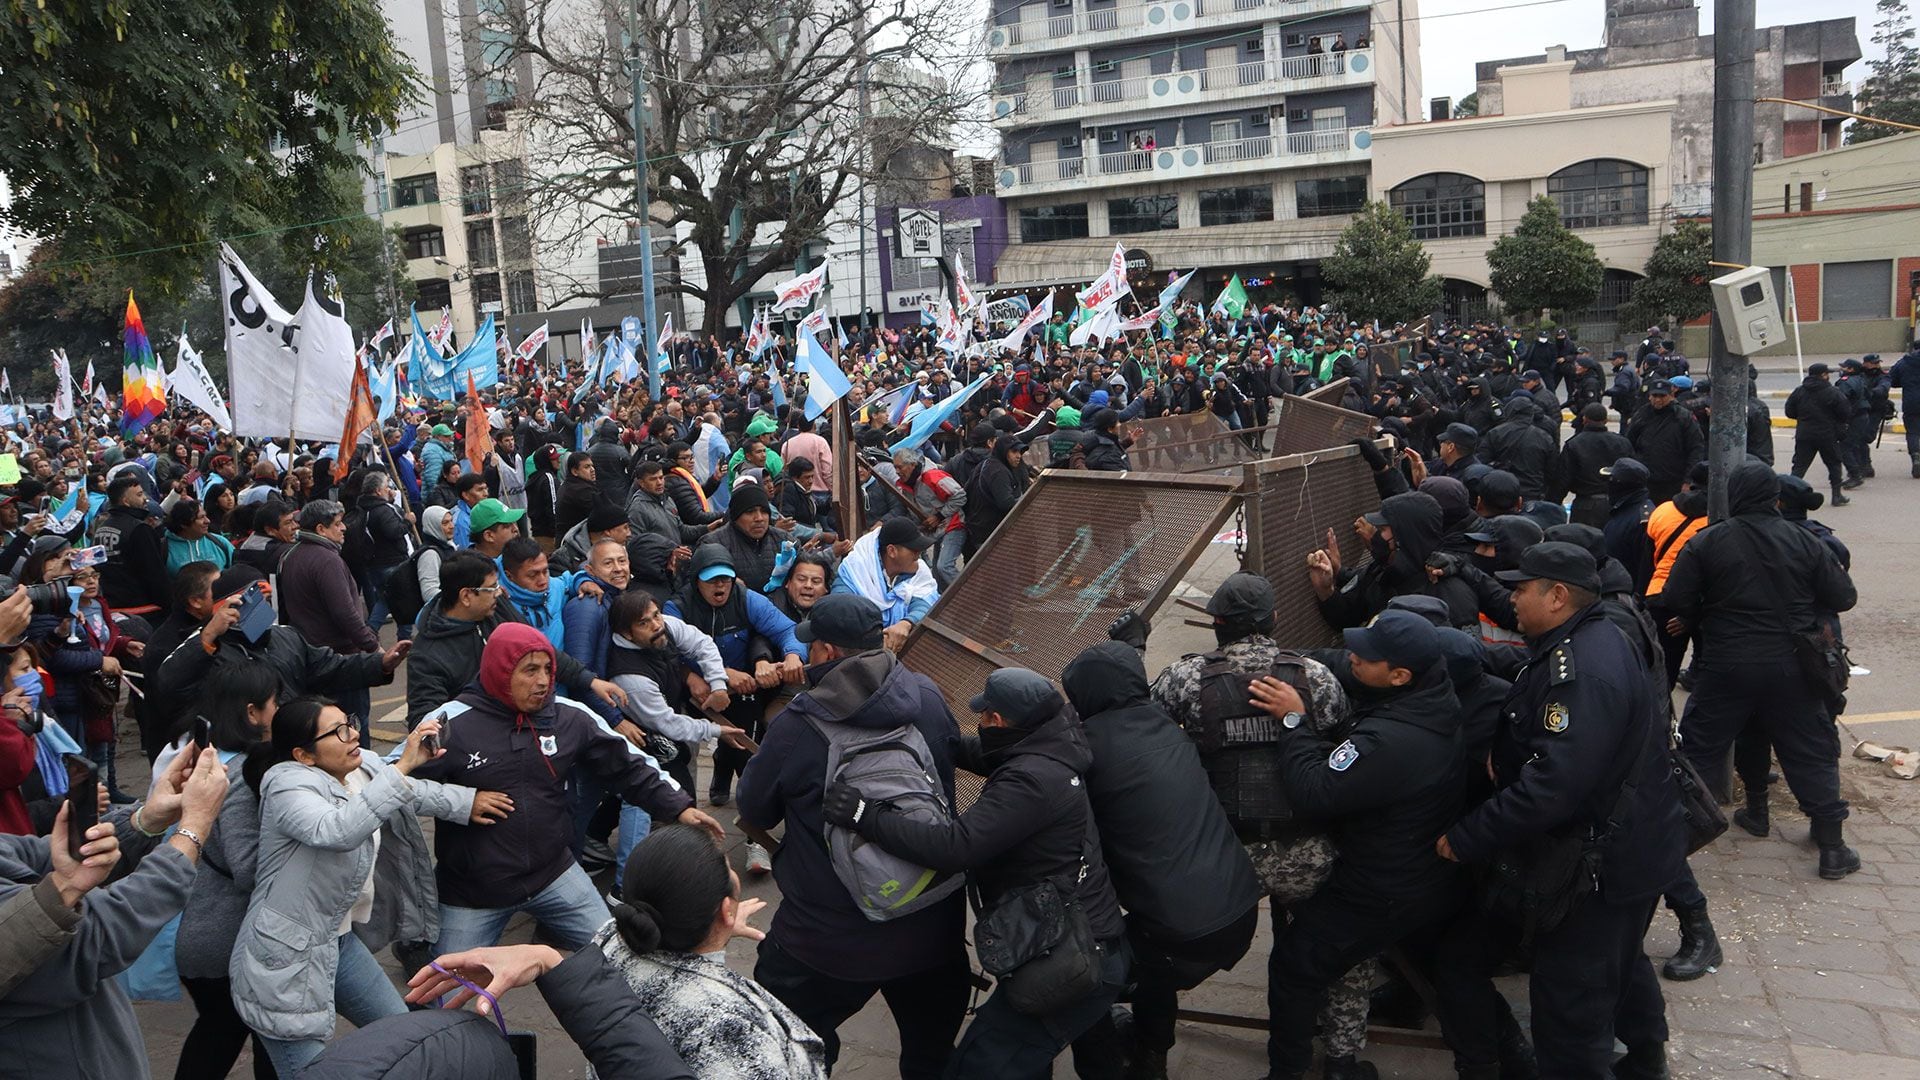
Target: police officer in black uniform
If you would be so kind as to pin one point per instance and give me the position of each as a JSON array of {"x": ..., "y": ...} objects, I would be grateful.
[{"x": 1580, "y": 760}]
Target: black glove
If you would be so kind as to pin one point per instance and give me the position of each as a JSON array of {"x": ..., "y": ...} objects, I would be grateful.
[
  {"x": 1444, "y": 561},
  {"x": 1130, "y": 629},
  {"x": 1375, "y": 459},
  {"x": 843, "y": 805}
]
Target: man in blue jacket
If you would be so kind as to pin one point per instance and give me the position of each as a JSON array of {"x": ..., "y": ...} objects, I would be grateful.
[{"x": 822, "y": 957}]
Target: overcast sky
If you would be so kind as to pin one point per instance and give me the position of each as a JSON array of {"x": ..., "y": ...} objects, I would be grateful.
[{"x": 1454, "y": 34}]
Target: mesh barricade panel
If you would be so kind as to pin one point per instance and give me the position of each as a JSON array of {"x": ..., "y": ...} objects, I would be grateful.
[
  {"x": 1305, "y": 425},
  {"x": 1298, "y": 503}
]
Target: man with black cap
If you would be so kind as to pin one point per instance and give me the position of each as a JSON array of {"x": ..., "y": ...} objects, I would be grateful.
[
  {"x": 1520, "y": 445},
  {"x": 885, "y": 567},
  {"x": 1820, "y": 413},
  {"x": 1667, "y": 440},
  {"x": 1209, "y": 696},
  {"x": 604, "y": 522},
  {"x": 822, "y": 956},
  {"x": 1457, "y": 445},
  {"x": 1382, "y": 793},
  {"x": 1032, "y": 823},
  {"x": 1856, "y": 439},
  {"x": 1580, "y": 762},
  {"x": 1548, "y": 417},
  {"x": 1624, "y": 392},
  {"x": 1592, "y": 449},
  {"x": 752, "y": 544}
]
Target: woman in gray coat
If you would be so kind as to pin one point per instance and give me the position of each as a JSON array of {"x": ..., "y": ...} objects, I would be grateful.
[{"x": 342, "y": 868}]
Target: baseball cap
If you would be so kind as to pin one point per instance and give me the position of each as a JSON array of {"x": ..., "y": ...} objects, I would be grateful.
[
  {"x": 1662, "y": 386},
  {"x": 1022, "y": 696},
  {"x": 605, "y": 515},
  {"x": 842, "y": 619},
  {"x": 1243, "y": 597},
  {"x": 1500, "y": 489},
  {"x": 442, "y": 429},
  {"x": 902, "y": 533},
  {"x": 1682, "y": 382},
  {"x": 1818, "y": 369},
  {"x": 1431, "y": 608},
  {"x": 1556, "y": 560},
  {"x": 712, "y": 561},
  {"x": 490, "y": 512},
  {"x": 1530, "y": 375},
  {"x": 1401, "y": 638},
  {"x": 1461, "y": 435}
]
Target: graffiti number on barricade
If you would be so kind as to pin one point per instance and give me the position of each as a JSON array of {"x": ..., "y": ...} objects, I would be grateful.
[{"x": 1065, "y": 567}]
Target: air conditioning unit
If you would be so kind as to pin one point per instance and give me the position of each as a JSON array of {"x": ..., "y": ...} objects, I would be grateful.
[
  {"x": 1069, "y": 142},
  {"x": 1296, "y": 41},
  {"x": 1255, "y": 46},
  {"x": 1110, "y": 135},
  {"x": 1259, "y": 120},
  {"x": 1297, "y": 115}
]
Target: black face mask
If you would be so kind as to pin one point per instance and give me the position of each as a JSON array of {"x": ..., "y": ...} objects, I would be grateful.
[
  {"x": 995, "y": 741},
  {"x": 1381, "y": 548},
  {"x": 1488, "y": 564}
]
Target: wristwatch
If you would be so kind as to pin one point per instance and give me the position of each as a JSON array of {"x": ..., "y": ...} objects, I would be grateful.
[{"x": 1292, "y": 720}]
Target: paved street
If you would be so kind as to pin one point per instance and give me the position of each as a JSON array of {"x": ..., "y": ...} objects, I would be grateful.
[{"x": 1822, "y": 979}]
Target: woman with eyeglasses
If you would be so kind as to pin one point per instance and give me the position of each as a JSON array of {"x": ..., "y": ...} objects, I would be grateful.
[
  {"x": 342, "y": 869},
  {"x": 83, "y": 653}
]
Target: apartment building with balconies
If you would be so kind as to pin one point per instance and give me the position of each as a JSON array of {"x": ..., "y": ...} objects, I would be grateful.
[{"x": 1232, "y": 135}]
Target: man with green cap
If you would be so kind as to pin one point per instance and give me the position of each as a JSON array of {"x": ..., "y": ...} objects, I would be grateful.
[
  {"x": 435, "y": 455},
  {"x": 491, "y": 524}
]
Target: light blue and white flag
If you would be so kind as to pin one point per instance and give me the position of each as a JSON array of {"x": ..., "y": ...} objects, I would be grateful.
[
  {"x": 927, "y": 421},
  {"x": 826, "y": 383}
]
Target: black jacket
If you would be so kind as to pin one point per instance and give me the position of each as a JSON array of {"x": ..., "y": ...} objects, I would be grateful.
[
  {"x": 1578, "y": 721},
  {"x": 687, "y": 501},
  {"x": 1819, "y": 409},
  {"x": 1586, "y": 454},
  {"x": 386, "y": 540},
  {"x": 529, "y": 756},
  {"x": 1724, "y": 579},
  {"x": 1518, "y": 445},
  {"x": 1104, "y": 453},
  {"x": 818, "y": 921},
  {"x": 303, "y": 668},
  {"x": 1177, "y": 866},
  {"x": 1389, "y": 790},
  {"x": 611, "y": 463},
  {"x": 135, "y": 574},
  {"x": 994, "y": 488},
  {"x": 753, "y": 560},
  {"x": 1668, "y": 442},
  {"x": 1032, "y": 822},
  {"x": 1415, "y": 519},
  {"x": 575, "y": 502}
]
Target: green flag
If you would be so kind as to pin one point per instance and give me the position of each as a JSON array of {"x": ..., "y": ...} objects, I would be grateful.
[{"x": 1232, "y": 301}]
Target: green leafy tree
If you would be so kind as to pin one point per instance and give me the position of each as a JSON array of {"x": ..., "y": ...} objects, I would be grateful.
[
  {"x": 1467, "y": 106},
  {"x": 141, "y": 131},
  {"x": 78, "y": 304},
  {"x": 1675, "y": 286},
  {"x": 1378, "y": 270},
  {"x": 1543, "y": 266},
  {"x": 1892, "y": 91}
]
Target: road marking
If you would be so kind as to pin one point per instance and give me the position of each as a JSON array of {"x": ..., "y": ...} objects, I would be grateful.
[{"x": 1859, "y": 719}]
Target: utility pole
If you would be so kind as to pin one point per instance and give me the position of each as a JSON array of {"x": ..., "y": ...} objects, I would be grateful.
[
  {"x": 636, "y": 62},
  {"x": 865, "y": 176},
  {"x": 1732, "y": 231}
]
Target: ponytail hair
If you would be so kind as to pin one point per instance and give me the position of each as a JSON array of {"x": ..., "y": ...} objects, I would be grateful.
[
  {"x": 294, "y": 726},
  {"x": 676, "y": 881}
]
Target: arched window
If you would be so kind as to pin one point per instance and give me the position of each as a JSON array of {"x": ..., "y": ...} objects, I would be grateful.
[
  {"x": 1601, "y": 191},
  {"x": 1442, "y": 204}
]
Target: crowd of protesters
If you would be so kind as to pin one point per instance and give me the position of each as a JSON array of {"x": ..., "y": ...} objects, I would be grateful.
[{"x": 598, "y": 597}]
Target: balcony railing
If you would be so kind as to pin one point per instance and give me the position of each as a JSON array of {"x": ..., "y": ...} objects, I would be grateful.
[
  {"x": 1029, "y": 103},
  {"x": 1185, "y": 159},
  {"x": 1835, "y": 88},
  {"x": 1048, "y": 32}
]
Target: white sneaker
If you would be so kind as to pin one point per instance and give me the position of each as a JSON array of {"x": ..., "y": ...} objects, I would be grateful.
[{"x": 758, "y": 861}]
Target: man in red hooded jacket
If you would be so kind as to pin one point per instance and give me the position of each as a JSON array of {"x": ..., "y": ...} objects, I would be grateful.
[{"x": 509, "y": 732}]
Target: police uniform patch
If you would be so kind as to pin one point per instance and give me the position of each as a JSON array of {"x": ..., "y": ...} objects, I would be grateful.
[
  {"x": 1556, "y": 718},
  {"x": 1343, "y": 756},
  {"x": 549, "y": 745}
]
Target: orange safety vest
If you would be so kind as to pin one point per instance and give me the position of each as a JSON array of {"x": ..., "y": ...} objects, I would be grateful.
[{"x": 1670, "y": 529}]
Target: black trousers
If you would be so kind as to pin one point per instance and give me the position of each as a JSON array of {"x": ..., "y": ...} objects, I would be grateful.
[
  {"x": 1828, "y": 450},
  {"x": 927, "y": 1006},
  {"x": 1330, "y": 932},
  {"x": 1673, "y": 648},
  {"x": 1004, "y": 1043},
  {"x": 1772, "y": 696},
  {"x": 1591, "y": 982},
  {"x": 746, "y": 713},
  {"x": 213, "y": 1044},
  {"x": 1162, "y": 969},
  {"x": 1591, "y": 510}
]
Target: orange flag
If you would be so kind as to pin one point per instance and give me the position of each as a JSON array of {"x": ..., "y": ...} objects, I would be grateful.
[
  {"x": 361, "y": 415},
  {"x": 479, "y": 434}
]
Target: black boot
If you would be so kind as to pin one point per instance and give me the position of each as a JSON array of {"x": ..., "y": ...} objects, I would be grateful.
[
  {"x": 1348, "y": 1067},
  {"x": 1699, "y": 948},
  {"x": 1148, "y": 1065},
  {"x": 1645, "y": 1062},
  {"x": 1839, "y": 498},
  {"x": 1753, "y": 817},
  {"x": 1853, "y": 482},
  {"x": 1837, "y": 860},
  {"x": 1516, "y": 1053},
  {"x": 1916, "y": 466}
]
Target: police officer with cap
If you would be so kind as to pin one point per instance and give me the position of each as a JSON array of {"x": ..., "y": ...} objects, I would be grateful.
[
  {"x": 1580, "y": 762},
  {"x": 1383, "y": 792},
  {"x": 1208, "y": 695}
]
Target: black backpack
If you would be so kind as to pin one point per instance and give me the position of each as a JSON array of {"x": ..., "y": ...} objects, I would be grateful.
[
  {"x": 403, "y": 590},
  {"x": 357, "y": 548}
]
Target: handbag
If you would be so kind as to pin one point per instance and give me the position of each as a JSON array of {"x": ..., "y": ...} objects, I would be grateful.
[
  {"x": 1705, "y": 818},
  {"x": 1039, "y": 946},
  {"x": 1820, "y": 655}
]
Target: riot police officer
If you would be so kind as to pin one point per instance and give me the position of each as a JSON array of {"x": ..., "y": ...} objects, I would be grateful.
[
  {"x": 1581, "y": 763},
  {"x": 1207, "y": 694},
  {"x": 1856, "y": 441}
]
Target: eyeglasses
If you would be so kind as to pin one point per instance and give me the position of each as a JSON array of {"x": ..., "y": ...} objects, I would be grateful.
[
  {"x": 489, "y": 589},
  {"x": 346, "y": 733}
]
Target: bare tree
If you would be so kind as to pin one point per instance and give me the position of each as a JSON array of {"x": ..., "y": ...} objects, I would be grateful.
[{"x": 764, "y": 122}]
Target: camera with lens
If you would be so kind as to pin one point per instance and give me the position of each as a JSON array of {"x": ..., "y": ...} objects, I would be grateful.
[{"x": 49, "y": 598}]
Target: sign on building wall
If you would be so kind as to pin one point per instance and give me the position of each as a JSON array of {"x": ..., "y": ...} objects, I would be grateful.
[{"x": 917, "y": 235}]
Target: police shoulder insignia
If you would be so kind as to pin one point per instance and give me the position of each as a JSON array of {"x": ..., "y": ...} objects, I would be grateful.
[
  {"x": 1556, "y": 718},
  {"x": 1343, "y": 756},
  {"x": 1560, "y": 666}
]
